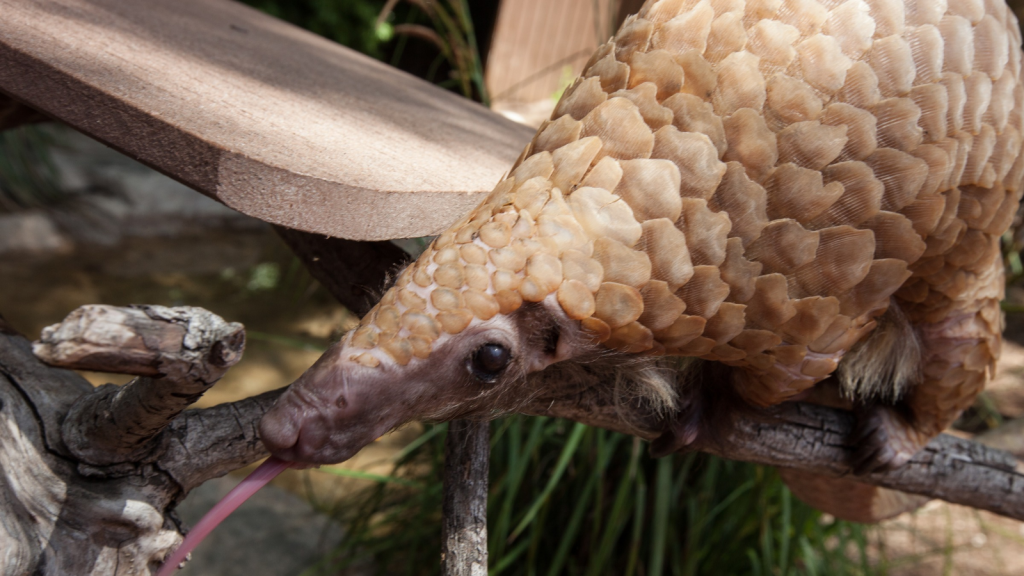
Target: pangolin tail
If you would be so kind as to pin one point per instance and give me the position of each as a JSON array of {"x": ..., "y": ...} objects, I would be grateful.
[{"x": 848, "y": 499}]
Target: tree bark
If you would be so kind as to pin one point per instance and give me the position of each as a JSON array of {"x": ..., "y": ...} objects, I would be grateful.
[
  {"x": 353, "y": 272},
  {"x": 60, "y": 514},
  {"x": 467, "y": 451},
  {"x": 815, "y": 439},
  {"x": 181, "y": 351}
]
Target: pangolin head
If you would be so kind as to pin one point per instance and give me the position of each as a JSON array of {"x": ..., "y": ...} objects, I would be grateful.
[{"x": 551, "y": 267}]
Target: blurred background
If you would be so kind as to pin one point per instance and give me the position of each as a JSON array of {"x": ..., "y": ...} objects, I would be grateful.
[{"x": 82, "y": 224}]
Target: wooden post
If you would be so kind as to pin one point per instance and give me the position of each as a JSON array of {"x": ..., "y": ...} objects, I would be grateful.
[{"x": 467, "y": 453}]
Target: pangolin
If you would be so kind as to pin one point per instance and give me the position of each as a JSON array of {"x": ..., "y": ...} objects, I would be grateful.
[{"x": 787, "y": 191}]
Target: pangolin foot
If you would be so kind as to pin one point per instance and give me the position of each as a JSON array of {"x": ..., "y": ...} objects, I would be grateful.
[
  {"x": 679, "y": 436},
  {"x": 883, "y": 440}
]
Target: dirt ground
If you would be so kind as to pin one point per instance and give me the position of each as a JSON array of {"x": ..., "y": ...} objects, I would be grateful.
[{"x": 943, "y": 538}]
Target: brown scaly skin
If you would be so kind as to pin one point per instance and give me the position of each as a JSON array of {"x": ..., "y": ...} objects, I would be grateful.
[{"x": 748, "y": 182}]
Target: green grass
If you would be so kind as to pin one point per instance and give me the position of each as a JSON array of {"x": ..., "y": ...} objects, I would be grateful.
[
  {"x": 569, "y": 499},
  {"x": 28, "y": 177},
  {"x": 379, "y": 27},
  {"x": 450, "y": 30},
  {"x": 347, "y": 22}
]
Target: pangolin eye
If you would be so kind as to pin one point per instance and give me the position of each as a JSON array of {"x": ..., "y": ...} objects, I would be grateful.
[{"x": 489, "y": 360}]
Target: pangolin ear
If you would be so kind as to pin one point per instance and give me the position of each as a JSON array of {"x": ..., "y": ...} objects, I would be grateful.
[{"x": 547, "y": 339}]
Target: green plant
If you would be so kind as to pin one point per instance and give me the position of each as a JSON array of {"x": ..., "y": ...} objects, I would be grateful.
[
  {"x": 347, "y": 22},
  {"x": 367, "y": 26},
  {"x": 451, "y": 31},
  {"x": 569, "y": 499},
  {"x": 28, "y": 176}
]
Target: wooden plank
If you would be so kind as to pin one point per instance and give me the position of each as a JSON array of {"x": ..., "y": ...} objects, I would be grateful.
[
  {"x": 273, "y": 121},
  {"x": 538, "y": 46}
]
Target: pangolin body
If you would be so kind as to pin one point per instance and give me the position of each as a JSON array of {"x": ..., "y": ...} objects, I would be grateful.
[{"x": 755, "y": 183}]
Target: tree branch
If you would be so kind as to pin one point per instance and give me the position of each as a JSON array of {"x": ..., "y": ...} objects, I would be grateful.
[
  {"x": 815, "y": 438},
  {"x": 352, "y": 271},
  {"x": 467, "y": 452},
  {"x": 57, "y": 521},
  {"x": 208, "y": 443},
  {"x": 183, "y": 351},
  {"x": 178, "y": 352},
  {"x": 66, "y": 515}
]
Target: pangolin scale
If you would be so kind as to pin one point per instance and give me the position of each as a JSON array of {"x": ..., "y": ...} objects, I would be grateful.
[{"x": 758, "y": 183}]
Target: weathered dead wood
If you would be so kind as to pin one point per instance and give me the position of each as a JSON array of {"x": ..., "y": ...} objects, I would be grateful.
[
  {"x": 185, "y": 350},
  {"x": 185, "y": 343},
  {"x": 61, "y": 515},
  {"x": 54, "y": 520},
  {"x": 177, "y": 352},
  {"x": 209, "y": 443},
  {"x": 467, "y": 452}
]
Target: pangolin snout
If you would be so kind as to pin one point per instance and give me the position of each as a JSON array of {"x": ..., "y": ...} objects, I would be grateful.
[{"x": 320, "y": 419}]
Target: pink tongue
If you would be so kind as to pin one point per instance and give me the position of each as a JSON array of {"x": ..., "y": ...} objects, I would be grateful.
[{"x": 221, "y": 510}]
